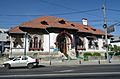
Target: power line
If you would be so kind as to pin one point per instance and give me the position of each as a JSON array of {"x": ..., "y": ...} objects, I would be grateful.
[
  {"x": 58, "y": 5},
  {"x": 114, "y": 10},
  {"x": 75, "y": 12},
  {"x": 68, "y": 8}
]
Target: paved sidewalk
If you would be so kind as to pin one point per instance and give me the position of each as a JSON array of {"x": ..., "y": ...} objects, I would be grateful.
[
  {"x": 77, "y": 62},
  {"x": 73, "y": 62}
]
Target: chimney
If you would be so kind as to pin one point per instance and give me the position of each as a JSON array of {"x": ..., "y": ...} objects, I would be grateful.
[{"x": 84, "y": 21}]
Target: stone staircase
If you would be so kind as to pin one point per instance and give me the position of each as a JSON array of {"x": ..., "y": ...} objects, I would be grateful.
[{"x": 72, "y": 54}]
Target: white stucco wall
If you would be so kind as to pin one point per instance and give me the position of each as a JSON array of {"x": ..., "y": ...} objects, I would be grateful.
[
  {"x": 100, "y": 44},
  {"x": 86, "y": 43},
  {"x": 46, "y": 43},
  {"x": 53, "y": 39},
  {"x": 116, "y": 43}
]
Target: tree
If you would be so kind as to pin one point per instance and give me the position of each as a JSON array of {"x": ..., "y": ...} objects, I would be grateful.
[{"x": 115, "y": 50}]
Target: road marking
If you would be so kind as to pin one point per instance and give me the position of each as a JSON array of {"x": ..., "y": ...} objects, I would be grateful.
[
  {"x": 64, "y": 71},
  {"x": 62, "y": 74}
]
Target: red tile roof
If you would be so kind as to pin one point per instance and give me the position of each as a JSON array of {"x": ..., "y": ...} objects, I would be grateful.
[
  {"x": 53, "y": 22},
  {"x": 32, "y": 25},
  {"x": 16, "y": 30},
  {"x": 50, "y": 21}
]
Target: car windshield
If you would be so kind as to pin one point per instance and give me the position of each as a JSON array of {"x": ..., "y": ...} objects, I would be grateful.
[{"x": 31, "y": 57}]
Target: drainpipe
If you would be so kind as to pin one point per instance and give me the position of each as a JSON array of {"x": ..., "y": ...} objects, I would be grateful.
[
  {"x": 77, "y": 53},
  {"x": 11, "y": 45},
  {"x": 25, "y": 43}
]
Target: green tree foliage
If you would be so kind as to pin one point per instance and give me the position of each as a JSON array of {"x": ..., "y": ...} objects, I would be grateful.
[{"x": 115, "y": 50}]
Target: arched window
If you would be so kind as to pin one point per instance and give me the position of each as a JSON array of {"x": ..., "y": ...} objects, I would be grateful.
[
  {"x": 36, "y": 42},
  {"x": 31, "y": 44},
  {"x": 40, "y": 43}
]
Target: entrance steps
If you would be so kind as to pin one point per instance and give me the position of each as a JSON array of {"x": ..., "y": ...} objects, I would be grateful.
[
  {"x": 72, "y": 54},
  {"x": 68, "y": 55}
]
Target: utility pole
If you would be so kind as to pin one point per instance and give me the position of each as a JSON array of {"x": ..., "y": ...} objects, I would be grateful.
[{"x": 105, "y": 29}]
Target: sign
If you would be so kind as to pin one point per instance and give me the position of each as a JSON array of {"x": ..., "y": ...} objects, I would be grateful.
[{"x": 110, "y": 29}]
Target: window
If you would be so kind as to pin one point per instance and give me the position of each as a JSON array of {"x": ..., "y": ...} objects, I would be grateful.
[
  {"x": 31, "y": 44},
  {"x": 7, "y": 37},
  {"x": 62, "y": 22},
  {"x": 36, "y": 42},
  {"x": 91, "y": 44},
  {"x": 93, "y": 29},
  {"x": 24, "y": 58},
  {"x": 119, "y": 37},
  {"x": 15, "y": 44},
  {"x": 73, "y": 25},
  {"x": 44, "y": 23},
  {"x": 40, "y": 43},
  {"x": 86, "y": 28},
  {"x": 112, "y": 38},
  {"x": 80, "y": 42}
]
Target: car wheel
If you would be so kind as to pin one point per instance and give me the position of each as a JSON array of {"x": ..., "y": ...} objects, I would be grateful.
[
  {"x": 7, "y": 66},
  {"x": 30, "y": 66}
]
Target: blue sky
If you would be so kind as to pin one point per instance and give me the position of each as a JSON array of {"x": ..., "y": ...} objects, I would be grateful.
[{"x": 14, "y": 12}]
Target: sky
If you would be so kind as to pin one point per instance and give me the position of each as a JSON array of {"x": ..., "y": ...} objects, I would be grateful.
[{"x": 15, "y": 12}]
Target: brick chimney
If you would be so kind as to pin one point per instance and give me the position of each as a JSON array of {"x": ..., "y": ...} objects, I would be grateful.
[{"x": 84, "y": 21}]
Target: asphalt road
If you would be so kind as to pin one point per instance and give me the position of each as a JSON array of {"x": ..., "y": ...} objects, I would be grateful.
[{"x": 63, "y": 72}]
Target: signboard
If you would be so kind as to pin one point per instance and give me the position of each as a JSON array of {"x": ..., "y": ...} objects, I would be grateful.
[{"x": 110, "y": 29}]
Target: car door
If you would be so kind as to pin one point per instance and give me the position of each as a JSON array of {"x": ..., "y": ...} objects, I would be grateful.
[
  {"x": 15, "y": 62},
  {"x": 24, "y": 61}
]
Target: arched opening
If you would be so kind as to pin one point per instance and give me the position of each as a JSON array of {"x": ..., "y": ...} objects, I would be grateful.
[
  {"x": 40, "y": 43},
  {"x": 63, "y": 42},
  {"x": 31, "y": 43},
  {"x": 36, "y": 42}
]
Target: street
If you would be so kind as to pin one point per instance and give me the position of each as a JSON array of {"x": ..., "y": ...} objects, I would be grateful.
[{"x": 63, "y": 72}]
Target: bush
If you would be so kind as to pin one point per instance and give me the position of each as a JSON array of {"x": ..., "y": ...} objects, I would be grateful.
[
  {"x": 111, "y": 53},
  {"x": 86, "y": 55},
  {"x": 117, "y": 54},
  {"x": 96, "y": 54}
]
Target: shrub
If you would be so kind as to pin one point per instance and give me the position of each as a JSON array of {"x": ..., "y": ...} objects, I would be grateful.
[
  {"x": 96, "y": 54},
  {"x": 111, "y": 53},
  {"x": 86, "y": 55},
  {"x": 117, "y": 54}
]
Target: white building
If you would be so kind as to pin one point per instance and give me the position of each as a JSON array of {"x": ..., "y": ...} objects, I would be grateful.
[
  {"x": 115, "y": 41},
  {"x": 52, "y": 34},
  {"x": 4, "y": 40}
]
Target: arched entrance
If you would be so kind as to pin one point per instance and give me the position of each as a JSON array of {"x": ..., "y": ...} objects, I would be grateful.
[{"x": 63, "y": 42}]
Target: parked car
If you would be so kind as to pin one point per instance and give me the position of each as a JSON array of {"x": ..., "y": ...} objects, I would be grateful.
[{"x": 21, "y": 61}]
